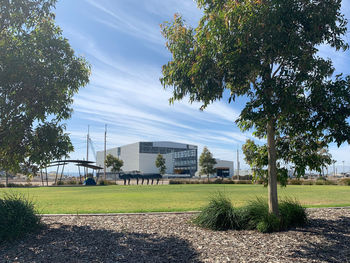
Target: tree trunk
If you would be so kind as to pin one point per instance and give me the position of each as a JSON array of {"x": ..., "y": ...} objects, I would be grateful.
[{"x": 272, "y": 168}]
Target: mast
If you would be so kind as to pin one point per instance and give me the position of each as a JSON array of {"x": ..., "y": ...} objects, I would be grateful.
[
  {"x": 87, "y": 149},
  {"x": 237, "y": 164},
  {"x": 104, "y": 157}
]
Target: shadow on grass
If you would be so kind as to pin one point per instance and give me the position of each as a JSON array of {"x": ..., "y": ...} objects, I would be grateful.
[
  {"x": 64, "y": 243},
  {"x": 332, "y": 243}
]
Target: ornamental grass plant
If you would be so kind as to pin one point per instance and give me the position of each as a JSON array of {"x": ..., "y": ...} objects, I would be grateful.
[
  {"x": 18, "y": 216},
  {"x": 220, "y": 214}
]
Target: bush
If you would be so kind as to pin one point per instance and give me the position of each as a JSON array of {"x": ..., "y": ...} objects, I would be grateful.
[
  {"x": 307, "y": 182},
  {"x": 221, "y": 215},
  {"x": 294, "y": 182},
  {"x": 345, "y": 181},
  {"x": 59, "y": 182},
  {"x": 218, "y": 215},
  {"x": 17, "y": 216},
  {"x": 105, "y": 182},
  {"x": 71, "y": 182},
  {"x": 292, "y": 214}
]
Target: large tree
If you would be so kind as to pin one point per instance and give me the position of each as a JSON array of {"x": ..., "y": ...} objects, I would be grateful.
[
  {"x": 39, "y": 74},
  {"x": 206, "y": 163},
  {"x": 267, "y": 52}
]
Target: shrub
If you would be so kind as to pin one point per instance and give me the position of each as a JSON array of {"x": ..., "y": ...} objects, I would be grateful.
[
  {"x": 221, "y": 215},
  {"x": 72, "y": 182},
  {"x": 294, "y": 182},
  {"x": 218, "y": 215},
  {"x": 292, "y": 214},
  {"x": 307, "y": 182},
  {"x": 59, "y": 182},
  {"x": 17, "y": 216},
  {"x": 269, "y": 223},
  {"x": 105, "y": 182},
  {"x": 345, "y": 181}
]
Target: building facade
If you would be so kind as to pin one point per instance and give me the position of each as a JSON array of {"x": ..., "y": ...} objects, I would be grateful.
[{"x": 141, "y": 156}]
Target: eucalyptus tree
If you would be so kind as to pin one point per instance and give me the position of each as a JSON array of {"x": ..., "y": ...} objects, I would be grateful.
[
  {"x": 267, "y": 52},
  {"x": 160, "y": 164},
  {"x": 206, "y": 163},
  {"x": 39, "y": 74}
]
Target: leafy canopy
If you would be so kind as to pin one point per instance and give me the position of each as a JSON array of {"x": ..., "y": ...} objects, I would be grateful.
[
  {"x": 160, "y": 164},
  {"x": 266, "y": 51},
  {"x": 207, "y": 163},
  {"x": 115, "y": 163},
  {"x": 39, "y": 74},
  {"x": 304, "y": 158}
]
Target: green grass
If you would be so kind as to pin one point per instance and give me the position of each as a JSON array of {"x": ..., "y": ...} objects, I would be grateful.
[{"x": 152, "y": 198}]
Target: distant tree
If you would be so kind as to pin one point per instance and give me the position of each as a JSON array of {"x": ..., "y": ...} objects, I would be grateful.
[
  {"x": 115, "y": 163},
  {"x": 39, "y": 74},
  {"x": 160, "y": 164},
  {"x": 266, "y": 51},
  {"x": 206, "y": 163}
]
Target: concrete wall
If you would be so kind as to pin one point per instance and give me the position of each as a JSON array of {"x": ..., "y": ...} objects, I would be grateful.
[
  {"x": 131, "y": 157},
  {"x": 220, "y": 164},
  {"x": 148, "y": 160},
  {"x": 223, "y": 163}
]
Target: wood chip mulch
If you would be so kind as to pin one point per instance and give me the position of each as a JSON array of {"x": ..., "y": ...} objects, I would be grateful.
[{"x": 172, "y": 238}]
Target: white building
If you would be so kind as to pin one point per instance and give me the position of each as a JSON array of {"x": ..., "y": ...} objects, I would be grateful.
[
  {"x": 141, "y": 156},
  {"x": 223, "y": 168}
]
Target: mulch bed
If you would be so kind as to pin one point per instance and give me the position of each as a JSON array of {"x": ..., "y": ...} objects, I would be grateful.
[{"x": 171, "y": 238}]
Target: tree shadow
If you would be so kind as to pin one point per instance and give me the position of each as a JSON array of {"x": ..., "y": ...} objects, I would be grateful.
[
  {"x": 332, "y": 242},
  {"x": 66, "y": 243}
]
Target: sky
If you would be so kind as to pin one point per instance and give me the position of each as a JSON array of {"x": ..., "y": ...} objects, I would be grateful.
[{"x": 121, "y": 40}]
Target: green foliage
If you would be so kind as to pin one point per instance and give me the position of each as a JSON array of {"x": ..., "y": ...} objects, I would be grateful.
[
  {"x": 17, "y": 216},
  {"x": 115, "y": 163},
  {"x": 39, "y": 76},
  {"x": 219, "y": 214},
  {"x": 345, "y": 181},
  {"x": 160, "y": 164},
  {"x": 292, "y": 214},
  {"x": 257, "y": 157},
  {"x": 267, "y": 51},
  {"x": 206, "y": 163}
]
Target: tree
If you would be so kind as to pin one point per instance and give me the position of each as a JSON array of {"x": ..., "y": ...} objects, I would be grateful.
[
  {"x": 39, "y": 74},
  {"x": 266, "y": 52},
  {"x": 207, "y": 163},
  {"x": 297, "y": 153},
  {"x": 160, "y": 164},
  {"x": 115, "y": 163}
]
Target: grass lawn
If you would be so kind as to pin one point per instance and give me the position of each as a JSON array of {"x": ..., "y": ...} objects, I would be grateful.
[{"x": 137, "y": 198}]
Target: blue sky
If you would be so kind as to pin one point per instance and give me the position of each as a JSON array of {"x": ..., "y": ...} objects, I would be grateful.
[{"x": 121, "y": 40}]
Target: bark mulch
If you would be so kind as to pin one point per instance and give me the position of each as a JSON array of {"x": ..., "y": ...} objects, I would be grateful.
[{"x": 171, "y": 238}]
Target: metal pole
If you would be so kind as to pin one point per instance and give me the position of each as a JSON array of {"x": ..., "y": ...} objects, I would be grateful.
[
  {"x": 58, "y": 166},
  {"x": 237, "y": 164},
  {"x": 104, "y": 159},
  {"x": 79, "y": 173},
  {"x": 87, "y": 150}
]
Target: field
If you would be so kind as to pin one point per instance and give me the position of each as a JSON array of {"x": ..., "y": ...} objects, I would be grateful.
[{"x": 156, "y": 198}]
